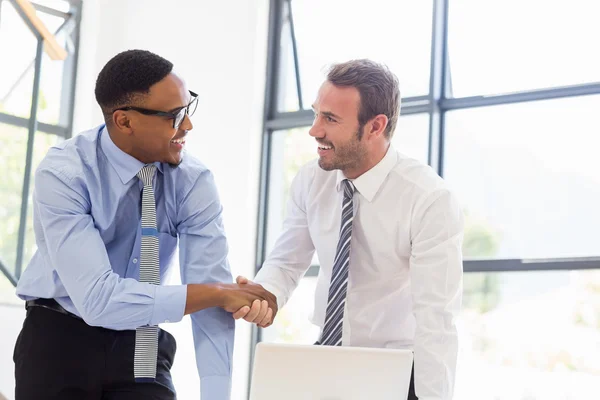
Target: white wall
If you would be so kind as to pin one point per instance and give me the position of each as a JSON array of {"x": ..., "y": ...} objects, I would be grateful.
[{"x": 219, "y": 48}]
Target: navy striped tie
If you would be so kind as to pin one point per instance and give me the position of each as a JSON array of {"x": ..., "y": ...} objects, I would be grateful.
[
  {"x": 146, "y": 337},
  {"x": 334, "y": 316}
]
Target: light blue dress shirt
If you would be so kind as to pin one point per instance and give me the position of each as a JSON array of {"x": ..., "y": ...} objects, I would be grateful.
[{"x": 87, "y": 211}]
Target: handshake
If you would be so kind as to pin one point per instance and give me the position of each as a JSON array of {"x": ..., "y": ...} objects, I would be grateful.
[{"x": 250, "y": 301}]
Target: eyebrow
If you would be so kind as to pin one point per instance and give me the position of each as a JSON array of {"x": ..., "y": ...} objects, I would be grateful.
[
  {"x": 328, "y": 113},
  {"x": 175, "y": 109},
  {"x": 180, "y": 107}
]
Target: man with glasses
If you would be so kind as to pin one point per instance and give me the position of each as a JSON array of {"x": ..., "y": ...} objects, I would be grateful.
[{"x": 111, "y": 207}]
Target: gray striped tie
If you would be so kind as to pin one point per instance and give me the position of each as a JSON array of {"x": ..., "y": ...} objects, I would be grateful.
[
  {"x": 334, "y": 316},
  {"x": 146, "y": 337}
]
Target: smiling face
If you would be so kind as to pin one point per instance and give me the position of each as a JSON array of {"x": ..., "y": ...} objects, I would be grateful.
[
  {"x": 336, "y": 128},
  {"x": 152, "y": 138}
]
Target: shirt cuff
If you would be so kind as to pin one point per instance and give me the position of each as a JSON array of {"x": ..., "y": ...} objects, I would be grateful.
[
  {"x": 215, "y": 388},
  {"x": 169, "y": 304},
  {"x": 278, "y": 295}
]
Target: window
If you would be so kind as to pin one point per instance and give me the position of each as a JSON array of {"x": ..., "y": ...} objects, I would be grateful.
[
  {"x": 328, "y": 31},
  {"x": 513, "y": 46},
  {"x": 16, "y": 84},
  {"x": 36, "y": 105},
  {"x": 500, "y": 99},
  {"x": 292, "y": 324},
  {"x": 537, "y": 331},
  {"x": 412, "y": 136},
  {"x": 527, "y": 174},
  {"x": 13, "y": 148}
]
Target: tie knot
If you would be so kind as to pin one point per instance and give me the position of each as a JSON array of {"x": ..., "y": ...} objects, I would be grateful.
[
  {"x": 146, "y": 174},
  {"x": 348, "y": 188}
]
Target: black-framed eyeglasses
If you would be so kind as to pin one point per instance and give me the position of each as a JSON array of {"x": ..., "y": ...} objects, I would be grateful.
[{"x": 177, "y": 115}]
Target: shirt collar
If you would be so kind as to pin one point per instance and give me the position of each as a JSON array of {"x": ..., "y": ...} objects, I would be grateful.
[
  {"x": 125, "y": 165},
  {"x": 369, "y": 183}
]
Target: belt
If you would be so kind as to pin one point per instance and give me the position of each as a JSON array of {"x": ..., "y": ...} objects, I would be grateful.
[{"x": 50, "y": 304}]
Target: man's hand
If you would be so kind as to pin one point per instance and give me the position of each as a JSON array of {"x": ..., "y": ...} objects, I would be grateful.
[
  {"x": 259, "y": 314},
  {"x": 249, "y": 300}
]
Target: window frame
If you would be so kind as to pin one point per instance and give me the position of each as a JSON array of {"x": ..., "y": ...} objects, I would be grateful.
[
  {"x": 436, "y": 104},
  {"x": 64, "y": 129}
]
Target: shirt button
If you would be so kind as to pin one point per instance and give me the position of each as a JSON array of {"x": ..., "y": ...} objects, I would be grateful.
[{"x": 135, "y": 260}]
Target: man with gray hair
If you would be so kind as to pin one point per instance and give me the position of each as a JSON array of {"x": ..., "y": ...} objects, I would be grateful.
[{"x": 387, "y": 231}]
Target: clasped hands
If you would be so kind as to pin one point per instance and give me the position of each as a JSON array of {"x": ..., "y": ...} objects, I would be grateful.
[{"x": 250, "y": 301}]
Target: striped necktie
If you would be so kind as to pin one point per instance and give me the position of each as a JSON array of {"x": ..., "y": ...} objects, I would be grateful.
[
  {"x": 146, "y": 337},
  {"x": 334, "y": 316}
]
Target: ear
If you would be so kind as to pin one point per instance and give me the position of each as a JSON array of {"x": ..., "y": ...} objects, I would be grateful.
[
  {"x": 376, "y": 127},
  {"x": 121, "y": 122}
]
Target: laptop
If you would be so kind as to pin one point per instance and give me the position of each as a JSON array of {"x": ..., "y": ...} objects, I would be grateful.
[{"x": 308, "y": 372}]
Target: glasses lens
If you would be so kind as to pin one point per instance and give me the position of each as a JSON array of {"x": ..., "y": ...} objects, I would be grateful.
[
  {"x": 179, "y": 118},
  {"x": 192, "y": 107}
]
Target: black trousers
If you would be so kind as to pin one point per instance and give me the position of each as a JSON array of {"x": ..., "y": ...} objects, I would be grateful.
[{"x": 59, "y": 356}]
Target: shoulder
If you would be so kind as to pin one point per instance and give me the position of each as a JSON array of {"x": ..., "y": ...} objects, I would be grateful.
[
  {"x": 416, "y": 176},
  {"x": 189, "y": 175},
  {"x": 70, "y": 158},
  {"x": 428, "y": 190}
]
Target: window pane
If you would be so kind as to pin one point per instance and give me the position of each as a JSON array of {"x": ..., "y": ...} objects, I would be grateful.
[
  {"x": 292, "y": 324},
  {"x": 290, "y": 150},
  {"x": 412, "y": 136},
  {"x": 288, "y": 91},
  {"x": 16, "y": 84},
  {"x": 529, "y": 336},
  {"x": 50, "y": 102},
  {"x": 13, "y": 147},
  {"x": 512, "y": 45},
  {"x": 329, "y": 31},
  {"x": 527, "y": 175}
]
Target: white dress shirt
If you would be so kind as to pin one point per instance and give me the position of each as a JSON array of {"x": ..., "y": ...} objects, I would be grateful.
[{"x": 405, "y": 278}]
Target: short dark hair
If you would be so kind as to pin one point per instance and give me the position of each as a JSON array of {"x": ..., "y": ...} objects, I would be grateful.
[
  {"x": 378, "y": 87},
  {"x": 128, "y": 75}
]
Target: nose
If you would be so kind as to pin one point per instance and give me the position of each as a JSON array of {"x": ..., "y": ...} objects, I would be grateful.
[
  {"x": 186, "y": 124},
  {"x": 316, "y": 130}
]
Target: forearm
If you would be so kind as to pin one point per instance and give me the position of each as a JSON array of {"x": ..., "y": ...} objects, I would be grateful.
[{"x": 202, "y": 296}]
